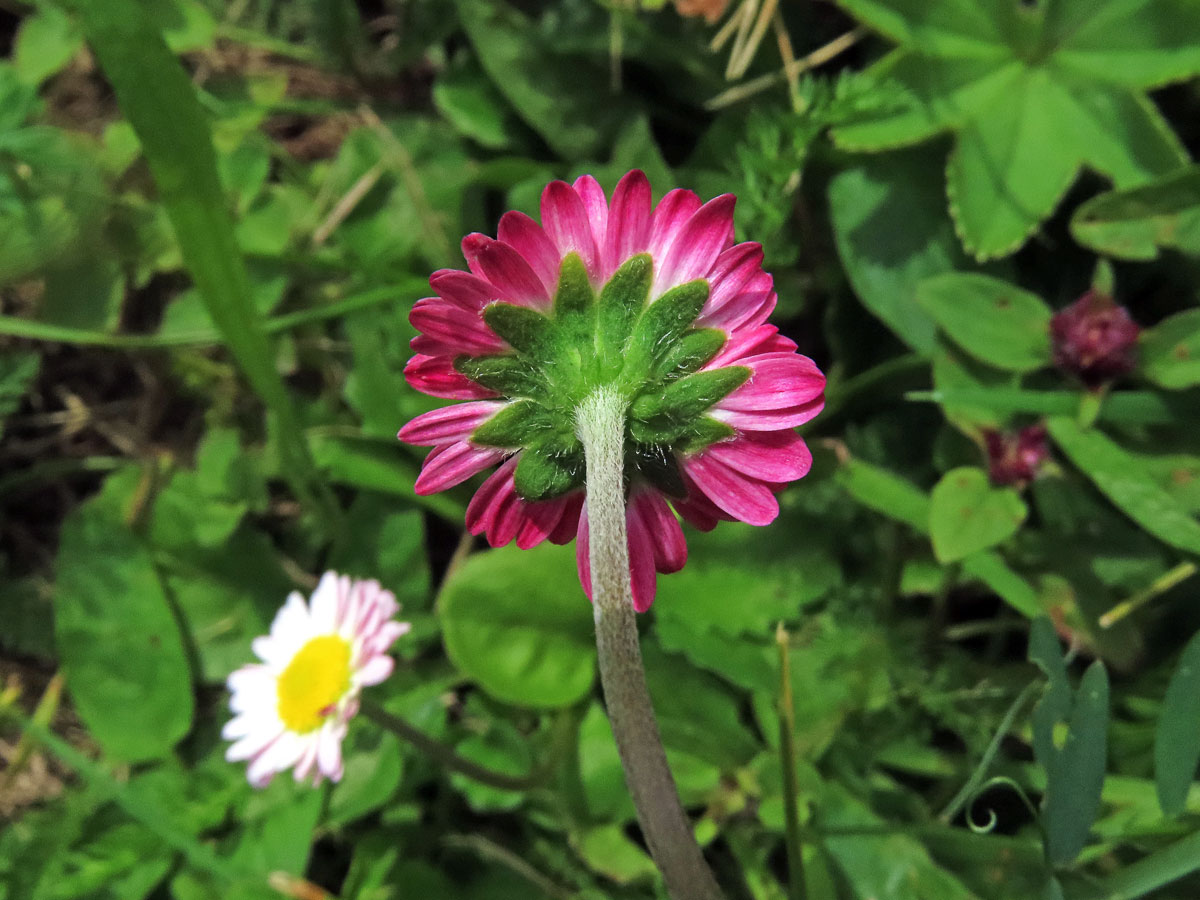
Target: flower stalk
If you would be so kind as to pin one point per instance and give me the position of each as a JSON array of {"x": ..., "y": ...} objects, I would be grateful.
[{"x": 600, "y": 424}]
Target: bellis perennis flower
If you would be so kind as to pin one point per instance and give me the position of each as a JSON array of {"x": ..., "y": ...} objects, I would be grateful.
[
  {"x": 656, "y": 303},
  {"x": 293, "y": 708}
]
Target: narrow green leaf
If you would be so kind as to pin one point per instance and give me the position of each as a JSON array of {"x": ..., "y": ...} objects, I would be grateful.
[
  {"x": 575, "y": 301},
  {"x": 513, "y": 376},
  {"x": 661, "y": 324},
  {"x": 516, "y": 621},
  {"x": 690, "y": 352},
  {"x": 1177, "y": 739},
  {"x": 967, "y": 514},
  {"x": 886, "y": 493},
  {"x": 543, "y": 473},
  {"x": 622, "y": 300},
  {"x": 160, "y": 102},
  {"x": 1126, "y": 407},
  {"x": 1145, "y": 876},
  {"x": 1076, "y": 776},
  {"x": 526, "y": 329},
  {"x": 994, "y": 321},
  {"x": 376, "y": 465},
  {"x": 515, "y": 425},
  {"x": 1125, "y": 482},
  {"x": 665, "y": 416}
]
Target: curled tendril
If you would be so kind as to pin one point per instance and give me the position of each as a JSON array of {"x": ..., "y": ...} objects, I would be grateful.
[{"x": 997, "y": 781}]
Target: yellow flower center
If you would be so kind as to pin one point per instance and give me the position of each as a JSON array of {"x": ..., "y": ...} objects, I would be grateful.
[{"x": 313, "y": 683}]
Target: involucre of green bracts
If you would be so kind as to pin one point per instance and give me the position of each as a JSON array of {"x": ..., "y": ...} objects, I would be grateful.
[{"x": 650, "y": 352}]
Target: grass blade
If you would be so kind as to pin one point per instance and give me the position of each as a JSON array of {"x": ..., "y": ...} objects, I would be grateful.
[{"x": 161, "y": 104}]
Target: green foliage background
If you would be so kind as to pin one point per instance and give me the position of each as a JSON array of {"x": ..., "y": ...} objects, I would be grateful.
[{"x": 215, "y": 217}]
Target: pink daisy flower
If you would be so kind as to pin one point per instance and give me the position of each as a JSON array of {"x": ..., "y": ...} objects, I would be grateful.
[
  {"x": 292, "y": 709},
  {"x": 657, "y": 302}
]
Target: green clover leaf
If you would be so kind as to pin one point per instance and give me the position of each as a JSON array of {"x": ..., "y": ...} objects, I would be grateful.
[{"x": 1033, "y": 92}]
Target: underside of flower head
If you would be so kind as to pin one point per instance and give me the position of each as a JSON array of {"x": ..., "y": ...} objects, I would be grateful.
[{"x": 656, "y": 304}]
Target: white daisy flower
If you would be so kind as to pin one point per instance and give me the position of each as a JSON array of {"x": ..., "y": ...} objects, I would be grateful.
[{"x": 293, "y": 708}]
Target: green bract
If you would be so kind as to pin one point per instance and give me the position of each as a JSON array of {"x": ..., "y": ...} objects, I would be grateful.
[
  {"x": 1033, "y": 92},
  {"x": 651, "y": 353}
]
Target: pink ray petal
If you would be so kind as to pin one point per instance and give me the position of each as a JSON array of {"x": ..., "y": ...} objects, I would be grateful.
[
  {"x": 643, "y": 580},
  {"x": 731, "y": 272},
  {"x": 453, "y": 464},
  {"x": 564, "y": 532},
  {"x": 484, "y": 506},
  {"x": 746, "y": 499},
  {"x": 780, "y": 380},
  {"x": 628, "y": 221},
  {"x": 455, "y": 327},
  {"x": 668, "y": 220},
  {"x": 583, "y": 560},
  {"x": 436, "y": 376},
  {"x": 508, "y": 519},
  {"x": 769, "y": 420},
  {"x": 777, "y": 456},
  {"x": 696, "y": 247},
  {"x": 463, "y": 289},
  {"x": 540, "y": 520},
  {"x": 594, "y": 202},
  {"x": 449, "y": 423},
  {"x": 566, "y": 222},
  {"x": 670, "y": 548},
  {"x": 527, "y": 237},
  {"x": 697, "y": 510},
  {"x": 514, "y": 279},
  {"x": 746, "y": 342}
]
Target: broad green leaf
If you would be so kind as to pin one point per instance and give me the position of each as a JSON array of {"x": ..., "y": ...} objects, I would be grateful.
[
  {"x": 554, "y": 94},
  {"x": 1171, "y": 350},
  {"x": 1135, "y": 223},
  {"x": 227, "y": 595},
  {"x": 996, "y": 322},
  {"x": 1126, "y": 483},
  {"x": 1033, "y": 93},
  {"x": 885, "y": 866},
  {"x": 1177, "y": 739},
  {"x": 385, "y": 540},
  {"x": 899, "y": 499},
  {"x": 892, "y": 230},
  {"x": 517, "y": 622},
  {"x": 472, "y": 104},
  {"x": 45, "y": 43},
  {"x": 697, "y": 714},
  {"x": 1009, "y": 169},
  {"x": 118, "y": 638},
  {"x": 608, "y": 850},
  {"x": 374, "y": 765},
  {"x": 967, "y": 514}
]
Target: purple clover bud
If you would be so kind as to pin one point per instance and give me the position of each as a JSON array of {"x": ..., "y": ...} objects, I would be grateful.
[
  {"x": 1014, "y": 459},
  {"x": 1094, "y": 339}
]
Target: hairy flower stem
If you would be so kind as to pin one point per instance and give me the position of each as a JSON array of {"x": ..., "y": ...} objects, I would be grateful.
[{"x": 600, "y": 425}]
